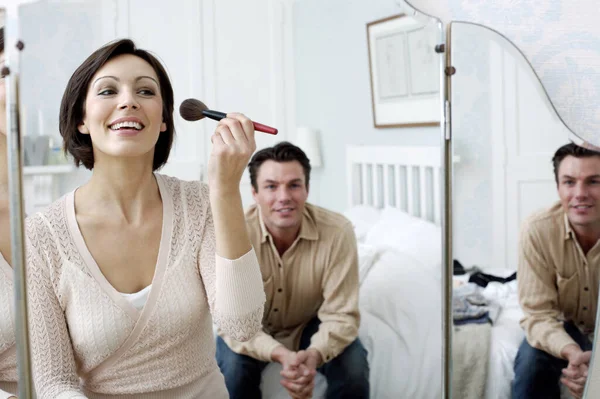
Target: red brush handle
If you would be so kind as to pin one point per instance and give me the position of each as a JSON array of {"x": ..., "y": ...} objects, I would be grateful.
[{"x": 264, "y": 128}]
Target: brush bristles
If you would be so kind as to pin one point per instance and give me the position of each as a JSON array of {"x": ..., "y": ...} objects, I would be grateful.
[{"x": 191, "y": 109}]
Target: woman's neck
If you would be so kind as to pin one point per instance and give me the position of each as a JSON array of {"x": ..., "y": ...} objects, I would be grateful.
[{"x": 125, "y": 188}]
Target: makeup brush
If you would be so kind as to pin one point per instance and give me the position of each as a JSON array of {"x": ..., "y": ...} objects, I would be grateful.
[{"x": 194, "y": 110}]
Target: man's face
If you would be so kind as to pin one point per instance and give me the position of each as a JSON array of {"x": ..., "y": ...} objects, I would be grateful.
[
  {"x": 579, "y": 190},
  {"x": 281, "y": 195}
]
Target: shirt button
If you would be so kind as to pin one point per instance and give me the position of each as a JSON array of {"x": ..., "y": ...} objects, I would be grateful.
[
  {"x": 275, "y": 310},
  {"x": 586, "y": 289},
  {"x": 585, "y": 308},
  {"x": 279, "y": 290},
  {"x": 581, "y": 323},
  {"x": 270, "y": 324}
]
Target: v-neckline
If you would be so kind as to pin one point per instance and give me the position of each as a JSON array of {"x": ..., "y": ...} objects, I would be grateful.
[
  {"x": 6, "y": 267},
  {"x": 161, "y": 261}
]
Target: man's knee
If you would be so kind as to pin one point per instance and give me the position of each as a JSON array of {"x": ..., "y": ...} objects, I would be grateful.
[
  {"x": 235, "y": 366},
  {"x": 537, "y": 373},
  {"x": 533, "y": 361},
  {"x": 352, "y": 365}
]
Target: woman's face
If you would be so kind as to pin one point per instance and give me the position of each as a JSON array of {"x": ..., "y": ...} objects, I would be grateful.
[{"x": 123, "y": 109}]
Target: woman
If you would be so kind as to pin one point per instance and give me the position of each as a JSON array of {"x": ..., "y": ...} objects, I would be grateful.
[
  {"x": 8, "y": 358},
  {"x": 125, "y": 271}
]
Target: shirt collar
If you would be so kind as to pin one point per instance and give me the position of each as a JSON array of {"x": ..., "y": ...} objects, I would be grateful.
[
  {"x": 308, "y": 226},
  {"x": 568, "y": 230}
]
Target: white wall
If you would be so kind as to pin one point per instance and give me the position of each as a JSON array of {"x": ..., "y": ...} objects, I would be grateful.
[
  {"x": 282, "y": 62},
  {"x": 333, "y": 88},
  {"x": 231, "y": 54}
]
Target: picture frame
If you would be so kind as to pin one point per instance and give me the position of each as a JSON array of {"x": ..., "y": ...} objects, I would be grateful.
[{"x": 404, "y": 72}]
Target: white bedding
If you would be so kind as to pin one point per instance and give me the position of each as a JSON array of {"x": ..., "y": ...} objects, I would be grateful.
[
  {"x": 400, "y": 328},
  {"x": 506, "y": 337}
]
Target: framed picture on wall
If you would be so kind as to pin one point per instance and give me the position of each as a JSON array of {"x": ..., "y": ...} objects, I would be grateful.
[{"x": 405, "y": 72}]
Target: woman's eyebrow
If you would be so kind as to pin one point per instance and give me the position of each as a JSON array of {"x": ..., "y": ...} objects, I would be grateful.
[{"x": 118, "y": 80}]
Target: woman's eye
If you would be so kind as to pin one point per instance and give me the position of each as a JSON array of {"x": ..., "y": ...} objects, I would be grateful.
[
  {"x": 147, "y": 92},
  {"x": 106, "y": 92}
]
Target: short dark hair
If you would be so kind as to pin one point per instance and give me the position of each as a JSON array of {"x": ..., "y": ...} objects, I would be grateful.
[
  {"x": 573, "y": 150},
  {"x": 281, "y": 152},
  {"x": 72, "y": 107}
]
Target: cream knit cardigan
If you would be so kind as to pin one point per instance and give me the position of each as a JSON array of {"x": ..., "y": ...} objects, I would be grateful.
[
  {"x": 8, "y": 358},
  {"x": 88, "y": 341}
]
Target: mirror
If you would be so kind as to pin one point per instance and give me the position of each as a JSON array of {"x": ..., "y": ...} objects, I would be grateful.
[
  {"x": 505, "y": 133},
  {"x": 337, "y": 80}
]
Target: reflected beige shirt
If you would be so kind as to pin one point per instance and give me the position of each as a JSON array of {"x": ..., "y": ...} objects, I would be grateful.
[
  {"x": 316, "y": 276},
  {"x": 557, "y": 281}
]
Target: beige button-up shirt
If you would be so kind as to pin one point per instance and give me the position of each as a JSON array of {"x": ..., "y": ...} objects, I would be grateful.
[
  {"x": 316, "y": 276},
  {"x": 556, "y": 280}
]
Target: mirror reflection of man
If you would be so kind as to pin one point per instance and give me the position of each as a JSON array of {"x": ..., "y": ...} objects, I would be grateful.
[
  {"x": 309, "y": 264},
  {"x": 558, "y": 274}
]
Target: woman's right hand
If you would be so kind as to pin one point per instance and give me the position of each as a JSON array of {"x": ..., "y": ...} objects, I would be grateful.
[{"x": 233, "y": 145}]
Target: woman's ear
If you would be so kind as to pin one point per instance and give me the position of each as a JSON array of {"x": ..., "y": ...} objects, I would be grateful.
[{"x": 83, "y": 129}]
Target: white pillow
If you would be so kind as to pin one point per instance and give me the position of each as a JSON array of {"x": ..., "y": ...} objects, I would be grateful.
[
  {"x": 416, "y": 237},
  {"x": 363, "y": 217},
  {"x": 366, "y": 259}
]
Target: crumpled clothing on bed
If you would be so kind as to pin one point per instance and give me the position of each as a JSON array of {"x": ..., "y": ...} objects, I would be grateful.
[{"x": 469, "y": 306}]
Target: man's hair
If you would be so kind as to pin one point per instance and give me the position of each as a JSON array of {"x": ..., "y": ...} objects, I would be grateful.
[
  {"x": 72, "y": 107},
  {"x": 573, "y": 150},
  {"x": 282, "y": 152}
]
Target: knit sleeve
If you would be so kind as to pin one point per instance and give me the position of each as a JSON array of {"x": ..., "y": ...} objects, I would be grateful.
[
  {"x": 53, "y": 364},
  {"x": 234, "y": 287}
]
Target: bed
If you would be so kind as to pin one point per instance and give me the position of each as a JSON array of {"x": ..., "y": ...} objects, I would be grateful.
[{"x": 394, "y": 202}]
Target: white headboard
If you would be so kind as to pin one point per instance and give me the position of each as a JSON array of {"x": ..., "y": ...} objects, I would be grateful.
[{"x": 408, "y": 178}]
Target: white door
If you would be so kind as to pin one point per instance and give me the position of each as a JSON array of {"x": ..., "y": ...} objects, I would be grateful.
[
  {"x": 526, "y": 132},
  {"x": 504, "y": 134}
]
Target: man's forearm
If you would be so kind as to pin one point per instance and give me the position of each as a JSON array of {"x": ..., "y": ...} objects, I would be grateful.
[
  {"x": 279, "y": 353},
  {"x": 260, "y": 347},
  {"x": 570, "y": 351}
]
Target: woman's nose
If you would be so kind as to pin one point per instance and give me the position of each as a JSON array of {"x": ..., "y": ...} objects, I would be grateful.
[{"x": 128, "y": 100}]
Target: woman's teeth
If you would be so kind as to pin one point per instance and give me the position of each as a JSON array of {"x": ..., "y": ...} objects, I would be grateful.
[{"x": 135, "y": 125}]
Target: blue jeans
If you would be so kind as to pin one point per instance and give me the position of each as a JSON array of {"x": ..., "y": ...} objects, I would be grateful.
[
  {"x": 537, "y": 373},
  {"x": 347, "y": 374}
]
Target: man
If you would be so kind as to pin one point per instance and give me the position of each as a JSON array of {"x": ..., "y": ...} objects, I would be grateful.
[
  {"x": 309, "y": 265},
  {"x": 558, "y": 281}
]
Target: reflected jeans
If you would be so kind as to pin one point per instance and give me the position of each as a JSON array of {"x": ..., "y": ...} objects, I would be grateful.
[
  {"x": 537, "y": 373},
  {"x": 347, "y": 375}
]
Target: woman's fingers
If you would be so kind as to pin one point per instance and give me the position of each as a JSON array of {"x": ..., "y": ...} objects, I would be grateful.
[
  {"x": 241, "y": 128},
  {"x": 225, "y": 133},
  {"x": 245, "y": 124},
  {"x": 233, "y": 145},
  {"x": 216, "y": 139}
]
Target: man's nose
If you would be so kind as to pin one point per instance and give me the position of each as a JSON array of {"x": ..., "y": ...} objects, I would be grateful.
[
  {"x": 283, "y": 194},
  {"x": 581, "y": 190}
]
